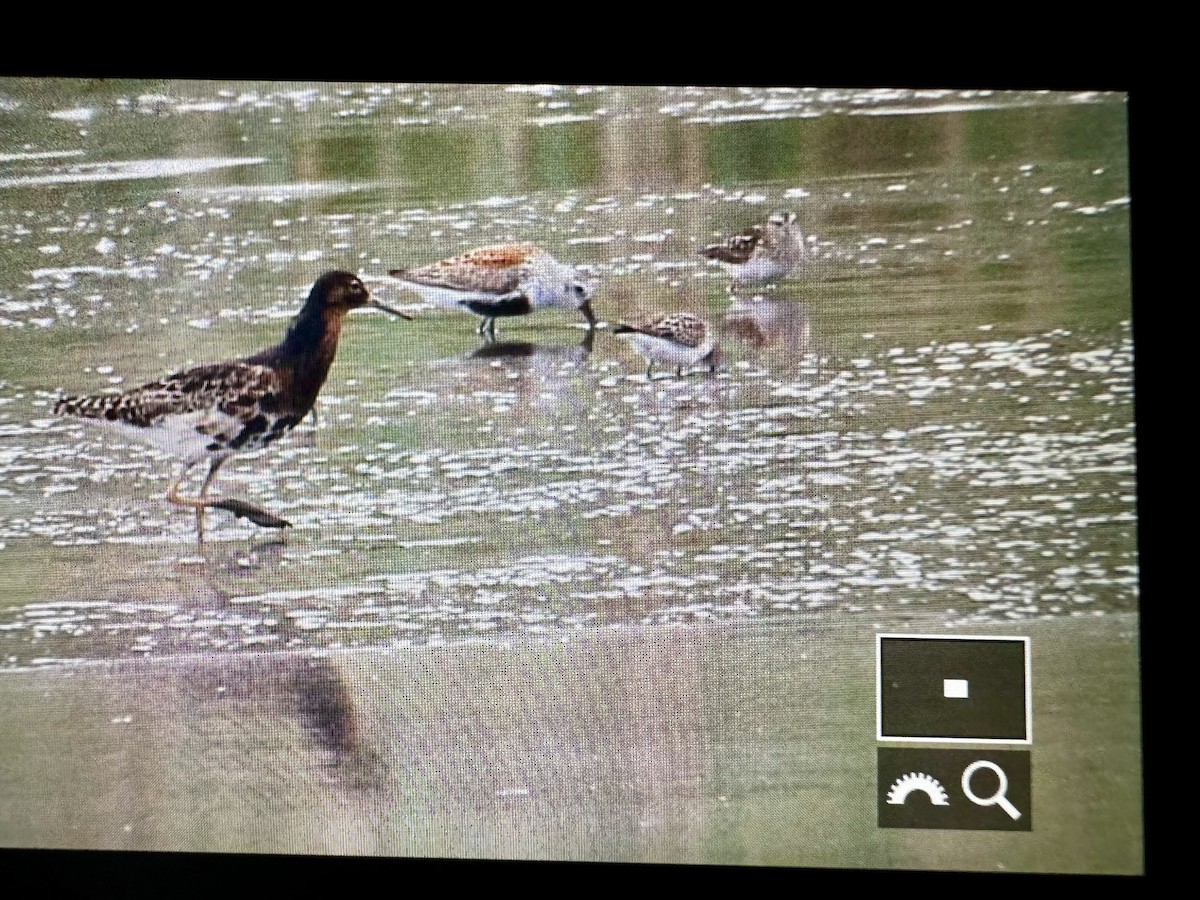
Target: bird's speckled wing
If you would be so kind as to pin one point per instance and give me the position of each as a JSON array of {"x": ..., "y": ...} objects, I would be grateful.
[
  {"x": 496, "y": 270},
  {"x": 237, "y": 389},
  {"x": 738, "y": 249},
  {"x": 683, "y": 328}
]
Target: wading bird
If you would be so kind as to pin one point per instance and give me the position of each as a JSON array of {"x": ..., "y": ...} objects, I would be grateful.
[{"x": 214, "y": 411}]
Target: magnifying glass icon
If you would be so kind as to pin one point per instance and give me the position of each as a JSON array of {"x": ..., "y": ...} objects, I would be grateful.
[{"x": 997, "y": 799}]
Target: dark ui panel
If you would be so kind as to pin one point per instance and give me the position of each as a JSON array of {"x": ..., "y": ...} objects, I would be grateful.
[
  {"x": 956, "y": 789},
  {"x": 953, "y": 689},
  {"x": 963, "y": 690}
]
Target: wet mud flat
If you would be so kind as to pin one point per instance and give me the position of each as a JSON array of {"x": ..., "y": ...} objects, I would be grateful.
[{"x": 744, "y": 744}]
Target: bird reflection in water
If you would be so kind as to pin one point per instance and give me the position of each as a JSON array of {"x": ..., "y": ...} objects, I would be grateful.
[
  {"x": 774, "y": 323},
  {"x": 526, "y": 349},
  {"x": 541, "y": 377},
  {"x": 327, "y": 711}
]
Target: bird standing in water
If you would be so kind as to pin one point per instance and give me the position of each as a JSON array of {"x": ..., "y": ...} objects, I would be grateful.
[
  {"x": 675, "y": 341},
  {"x": 501, "y": 280},
  {"x": 762, "y": 252},
  {"x": 214, "y": 411}
]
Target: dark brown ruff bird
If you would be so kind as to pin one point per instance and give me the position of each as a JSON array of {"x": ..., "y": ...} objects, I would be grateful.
[{"x": 214, "y": 411}]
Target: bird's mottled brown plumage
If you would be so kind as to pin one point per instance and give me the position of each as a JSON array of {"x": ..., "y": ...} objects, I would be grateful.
[
  {"x": 678, "y": 340},
  {"x": 737, "y": 249},
  {"x": 500, "y": 281},
  {"x": 215, "y": 410},
  {"x": 247, "y": 397},
  {"x": 762, "y": 252},
  {"x": 683, "y": 329},
  {"x": 498, "y": 269}
]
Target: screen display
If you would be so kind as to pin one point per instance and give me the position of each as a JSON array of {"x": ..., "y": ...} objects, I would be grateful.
[{"x": 700, "y": 475}]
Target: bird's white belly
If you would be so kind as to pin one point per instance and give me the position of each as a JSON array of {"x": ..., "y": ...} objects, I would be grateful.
[
  {"x": 176, "y": 434},
  {"x": 543, "y": 292},
  {"x": 757, "y": 270},
  {"x": 666, "y": 352}
]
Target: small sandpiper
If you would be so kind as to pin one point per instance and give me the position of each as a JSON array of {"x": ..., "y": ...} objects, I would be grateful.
[
  {"x": 762, "y": 252},
  {"x": 679, "y": 340},
  {"x": 501, "y": 280},
  {"x": 214, "y": 411}
]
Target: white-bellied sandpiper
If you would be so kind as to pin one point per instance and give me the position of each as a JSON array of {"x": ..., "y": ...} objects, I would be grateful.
[{"x": 499, "y": 281}]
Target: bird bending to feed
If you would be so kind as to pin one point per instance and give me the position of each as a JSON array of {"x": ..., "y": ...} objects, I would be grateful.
[
  {"x": 762, "y": 252},
  {"x": 678, "y": 340},
  {"x": 212, "y": 412},
  {"x": 501, "y": 280}
]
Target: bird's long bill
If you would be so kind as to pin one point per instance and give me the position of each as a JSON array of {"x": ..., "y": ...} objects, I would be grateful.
[{"x": 387, "y": 309}]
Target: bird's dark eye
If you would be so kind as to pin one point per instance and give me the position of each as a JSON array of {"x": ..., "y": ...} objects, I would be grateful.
[{"x": 579, "y": 290}]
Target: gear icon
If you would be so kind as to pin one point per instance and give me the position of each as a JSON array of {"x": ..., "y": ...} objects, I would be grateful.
[{"x": 918, "y": 781}]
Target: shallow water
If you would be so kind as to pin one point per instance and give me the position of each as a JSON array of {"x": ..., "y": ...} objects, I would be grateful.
[{"x": 935, "y": 415}]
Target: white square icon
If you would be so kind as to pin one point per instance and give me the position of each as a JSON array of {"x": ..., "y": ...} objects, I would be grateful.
[{"x": 955, "y": 688}]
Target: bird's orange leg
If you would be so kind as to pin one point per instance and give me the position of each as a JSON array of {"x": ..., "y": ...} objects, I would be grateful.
[
  {"x": 200, "y": 503},
  {"x": 239, "y": 508}
]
